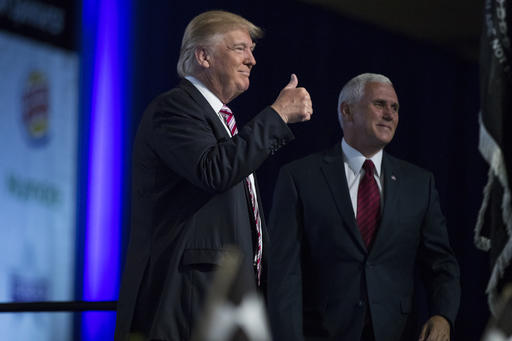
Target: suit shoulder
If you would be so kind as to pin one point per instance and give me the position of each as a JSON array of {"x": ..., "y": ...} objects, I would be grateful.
[
  {"x": 408, "y": 167},
  {"x": 174, "y": 98},
  {"x": 176, "y": 103}
]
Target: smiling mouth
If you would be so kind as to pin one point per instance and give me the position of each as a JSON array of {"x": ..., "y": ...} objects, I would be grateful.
[{"x": 384, "y": 126}]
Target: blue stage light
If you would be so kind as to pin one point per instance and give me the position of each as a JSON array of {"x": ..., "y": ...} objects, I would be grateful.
[{"x": 105, "y": 26}]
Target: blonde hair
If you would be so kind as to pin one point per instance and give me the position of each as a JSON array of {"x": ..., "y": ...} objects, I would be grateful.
[{"x": 201, "y": 31}]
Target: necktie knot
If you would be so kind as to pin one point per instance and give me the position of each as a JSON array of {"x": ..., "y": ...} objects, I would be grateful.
[
  {"x": 369, "y": 167},
  {"x": 225, "y": 111}
]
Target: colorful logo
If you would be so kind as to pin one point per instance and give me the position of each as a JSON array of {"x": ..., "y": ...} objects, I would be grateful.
[{"x": 35, "y": 107}]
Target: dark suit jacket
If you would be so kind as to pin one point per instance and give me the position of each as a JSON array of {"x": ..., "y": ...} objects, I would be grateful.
[
  {"x": 322, "y": 277},
  {"x": 189, "y": 201}
]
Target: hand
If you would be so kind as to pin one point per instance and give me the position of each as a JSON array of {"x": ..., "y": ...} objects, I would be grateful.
[
  {"x": 293, "y": 104},
  {"x": 436, "y": 328}
]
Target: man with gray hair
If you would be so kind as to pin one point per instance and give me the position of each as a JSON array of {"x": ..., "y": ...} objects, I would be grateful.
[
  {"x": 351, "y": 226},
  {"x": 193, "y": 187}
]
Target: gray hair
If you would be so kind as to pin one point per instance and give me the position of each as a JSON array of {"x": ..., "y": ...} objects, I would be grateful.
[
  {"x": 203, "y": 28},
  {"x": 353, "y": 91}
]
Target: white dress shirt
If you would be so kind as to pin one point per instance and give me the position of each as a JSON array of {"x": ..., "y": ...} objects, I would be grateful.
[{"x": 353, "y": 161}]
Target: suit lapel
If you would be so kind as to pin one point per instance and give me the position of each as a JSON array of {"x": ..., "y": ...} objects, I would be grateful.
[
  {"x": 391, "y": 184},
  {"x": 334, "y": 172},
  {"x": 220, "y": 132},
  {"x": 210, "y": 114}
]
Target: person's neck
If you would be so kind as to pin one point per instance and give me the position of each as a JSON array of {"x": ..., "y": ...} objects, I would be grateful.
[
  {"x": 369, "y": 154},
  {"x": 367, "y": 151},
  {"x": 212, "y": 86}
]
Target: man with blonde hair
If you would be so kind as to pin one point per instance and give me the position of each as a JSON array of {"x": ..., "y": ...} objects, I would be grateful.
[{"x": 194, "y": 191}]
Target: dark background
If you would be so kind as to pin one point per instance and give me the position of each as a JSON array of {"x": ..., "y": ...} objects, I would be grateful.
[{"x": 437, "y": 83}]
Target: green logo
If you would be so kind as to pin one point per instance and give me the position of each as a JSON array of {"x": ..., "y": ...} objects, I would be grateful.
[{"x": 33, "y": 190}]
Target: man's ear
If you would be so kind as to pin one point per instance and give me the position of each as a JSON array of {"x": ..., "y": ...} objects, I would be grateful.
[
  {"x": 202, "y": 57},
  {"x": 346, "y": 112}
]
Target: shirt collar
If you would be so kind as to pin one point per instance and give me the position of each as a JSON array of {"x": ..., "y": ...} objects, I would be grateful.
[
  {"x": 213, "y": 100},
  {"x": 355, "y": 159}
]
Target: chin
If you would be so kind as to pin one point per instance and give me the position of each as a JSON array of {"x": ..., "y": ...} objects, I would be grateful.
[
  {"x": 242, "y": 89},
  {"x": 382, "y": 140},
  {"x": 244, "y": 85},
  {"x": 386, "y": 137}
]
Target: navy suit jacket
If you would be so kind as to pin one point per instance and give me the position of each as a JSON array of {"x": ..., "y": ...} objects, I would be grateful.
[
  {"x": 322, "y": 276},
  {"x": 189, "y": 202}
]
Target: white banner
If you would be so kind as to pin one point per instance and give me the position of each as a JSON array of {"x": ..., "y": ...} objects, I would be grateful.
[{"x": 38, "y": 157}]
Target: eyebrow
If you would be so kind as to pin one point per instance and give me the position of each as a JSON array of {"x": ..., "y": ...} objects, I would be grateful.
[
  {"x": 395, "y": 105},
  {"x": 252, "y": 47}
]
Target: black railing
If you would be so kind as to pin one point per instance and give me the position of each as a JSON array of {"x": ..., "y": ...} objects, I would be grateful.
[{"x": 54, "y": 306}]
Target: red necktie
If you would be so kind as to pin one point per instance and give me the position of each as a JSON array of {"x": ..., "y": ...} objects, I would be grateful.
[
  {"x": 229, "y": 118},
  {"x": 368, "y": 204}
]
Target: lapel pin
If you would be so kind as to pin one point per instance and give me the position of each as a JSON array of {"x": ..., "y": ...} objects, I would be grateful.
[{"x": 393, "y": 177}]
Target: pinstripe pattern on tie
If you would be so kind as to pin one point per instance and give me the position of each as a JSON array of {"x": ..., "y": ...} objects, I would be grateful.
[
  {"x": 229, "y": 118},
  {"x": 368, "y": 204}
]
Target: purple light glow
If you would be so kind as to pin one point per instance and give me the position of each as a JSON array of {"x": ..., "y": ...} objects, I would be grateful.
[{"x": 104, "y": 25}]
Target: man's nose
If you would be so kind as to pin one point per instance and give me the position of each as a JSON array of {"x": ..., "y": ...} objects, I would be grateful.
[
  {"x": 250, "y": 60},
  {"x": 388, "y": 112}
]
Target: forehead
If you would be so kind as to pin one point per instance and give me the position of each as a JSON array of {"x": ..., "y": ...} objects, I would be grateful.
[{"x": 374, "y": 90}]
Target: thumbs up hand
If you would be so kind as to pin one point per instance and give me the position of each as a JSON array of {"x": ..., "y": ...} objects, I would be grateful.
[
  {"x": 293, "y": 104},
  {"x": 293, "y": 82}
]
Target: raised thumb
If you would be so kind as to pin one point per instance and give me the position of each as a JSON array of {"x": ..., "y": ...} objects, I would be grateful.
[{"x": 292, "y": 83}]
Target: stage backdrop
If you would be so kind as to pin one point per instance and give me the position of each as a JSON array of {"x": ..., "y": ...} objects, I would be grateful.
[
  {"x": 38, "y": 144},
  {"x": 438, "y": 93}
]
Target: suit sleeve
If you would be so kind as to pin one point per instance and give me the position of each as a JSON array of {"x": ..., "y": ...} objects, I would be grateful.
[
  {"x": 183, "y": 137},
  {"x": 285, "y": 275},
  {"x": 440, "y": 268}
]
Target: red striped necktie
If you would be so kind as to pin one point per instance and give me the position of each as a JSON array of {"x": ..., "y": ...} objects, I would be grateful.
[
  {"x": 229, "y": 118},
  {"x": 368, "y": 204}
]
